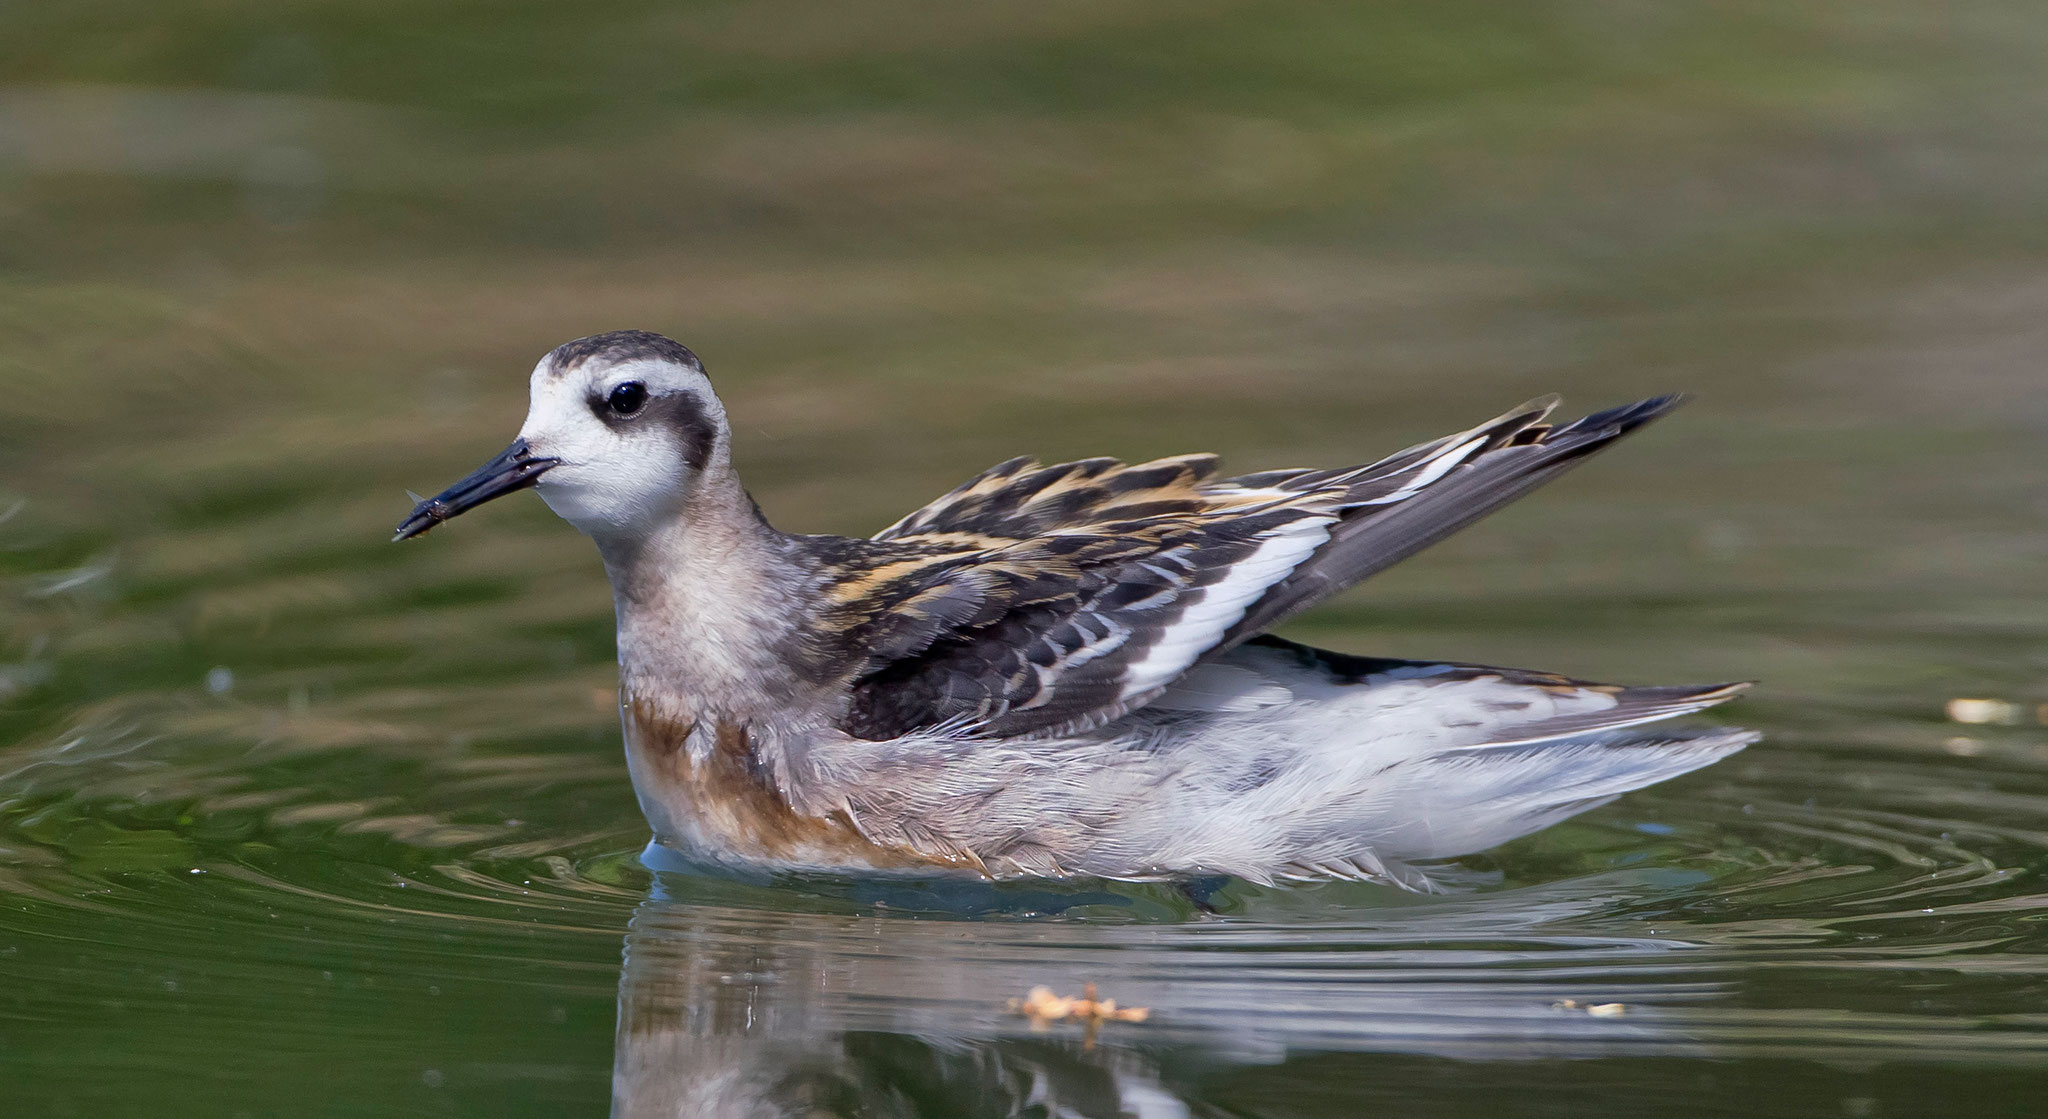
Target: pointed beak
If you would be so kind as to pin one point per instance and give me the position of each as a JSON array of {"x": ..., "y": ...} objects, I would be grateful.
[{"x": 514, "y": 469}]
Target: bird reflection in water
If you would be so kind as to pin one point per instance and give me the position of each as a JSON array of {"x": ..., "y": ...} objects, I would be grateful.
[
  {"x": 721, "y": 1020},
  {"x": 734, "y": 1012}
]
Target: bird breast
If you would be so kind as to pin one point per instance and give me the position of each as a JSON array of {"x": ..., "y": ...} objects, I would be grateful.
[{"x": 712, "y": 787}]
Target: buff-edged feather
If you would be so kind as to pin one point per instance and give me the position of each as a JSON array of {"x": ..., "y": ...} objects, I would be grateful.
[{"x": 1049, "y": 599}]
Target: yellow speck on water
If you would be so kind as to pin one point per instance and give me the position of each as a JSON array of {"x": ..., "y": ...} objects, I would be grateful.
[
  {"x": 1596, "y": 1010},
  {"x": 1983, "y": 711},
  {"x": 1044, "y": 1007}
]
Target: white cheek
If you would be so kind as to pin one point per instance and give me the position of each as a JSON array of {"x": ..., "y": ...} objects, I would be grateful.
[
  {"x": 617, "y": 496},
  {"x": 608, "y": 482}
]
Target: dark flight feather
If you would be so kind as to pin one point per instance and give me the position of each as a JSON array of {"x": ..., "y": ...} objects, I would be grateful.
[
  {"x": 1519, "y": 454},
  {"x": 1048, "y": 599}
]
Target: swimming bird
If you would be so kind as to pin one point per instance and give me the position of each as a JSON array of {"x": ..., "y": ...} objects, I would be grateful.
[{"x": 1062, "y": 670}]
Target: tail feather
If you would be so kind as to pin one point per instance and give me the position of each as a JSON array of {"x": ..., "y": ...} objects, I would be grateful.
[
  {"x": 1461, "y": 801},
  {"x": 1368, "y": 764},
  {"x": 1633, "y": 706}
]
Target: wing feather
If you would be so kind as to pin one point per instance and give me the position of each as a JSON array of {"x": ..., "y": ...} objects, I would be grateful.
[
  {"x": 1044, "y": 599},
  {"x": 1038, "y": 599},
  {"x": 1406, "y": 502}
]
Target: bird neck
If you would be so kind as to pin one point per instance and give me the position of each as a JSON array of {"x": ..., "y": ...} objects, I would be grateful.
[{"x": 710, "y": 605}]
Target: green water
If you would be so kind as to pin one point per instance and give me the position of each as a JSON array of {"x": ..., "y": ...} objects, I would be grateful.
[{"x": 294, "y": 821}]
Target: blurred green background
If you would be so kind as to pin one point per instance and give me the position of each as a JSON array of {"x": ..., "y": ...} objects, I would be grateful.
[
  {"x": 305, "y": 252},
  {"x": 265, "y": 265}
]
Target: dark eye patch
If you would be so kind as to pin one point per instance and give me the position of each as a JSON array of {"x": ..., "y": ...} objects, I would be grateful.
[
  {"x": 694, "y": 430},
  {"x": 631, "y": 405}
]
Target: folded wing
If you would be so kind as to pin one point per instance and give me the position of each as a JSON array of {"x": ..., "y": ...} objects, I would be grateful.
[{"x": 1047, "y": 599}]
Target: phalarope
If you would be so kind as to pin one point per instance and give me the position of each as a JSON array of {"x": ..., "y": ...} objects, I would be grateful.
[{"x": 1061, "y": 670}]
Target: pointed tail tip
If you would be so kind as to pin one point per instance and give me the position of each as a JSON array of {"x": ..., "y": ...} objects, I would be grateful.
[
  {"x": 1615, "y": 422},
  {"x": 1643, "y": 411}
]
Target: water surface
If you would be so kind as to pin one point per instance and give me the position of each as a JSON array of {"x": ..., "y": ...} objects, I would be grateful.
[{"x": 295, "y": 821}]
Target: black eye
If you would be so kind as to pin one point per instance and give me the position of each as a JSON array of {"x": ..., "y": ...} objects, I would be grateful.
[{"x": 627, "y": 399}]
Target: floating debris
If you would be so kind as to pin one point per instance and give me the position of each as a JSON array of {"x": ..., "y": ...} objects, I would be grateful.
[
  {"x": 1981, "y": 712},
  {"x": 1596, "y": 1010},
  {"x": 1044, "y": 1008}
]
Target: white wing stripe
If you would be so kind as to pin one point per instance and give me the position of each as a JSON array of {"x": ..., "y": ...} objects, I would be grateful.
[
  {"x": 1434, "y": 469},
  {"x": 1198, "y": 629}
]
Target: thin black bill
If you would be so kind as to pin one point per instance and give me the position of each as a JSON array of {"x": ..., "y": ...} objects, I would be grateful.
[{"x": 516, "y": 468}]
